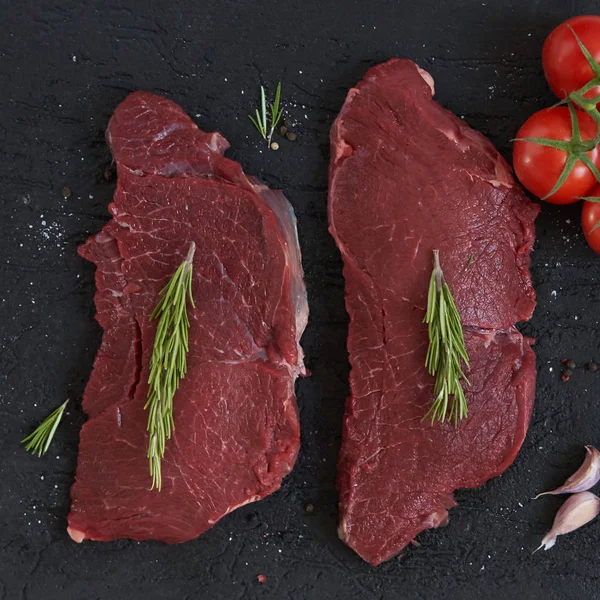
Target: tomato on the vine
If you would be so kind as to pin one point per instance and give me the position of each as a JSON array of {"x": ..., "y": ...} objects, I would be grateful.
[
  {"x": 565, "y": 65},
  {"x": 590, "y": 220},
  {"x": 539, "y": 167}
]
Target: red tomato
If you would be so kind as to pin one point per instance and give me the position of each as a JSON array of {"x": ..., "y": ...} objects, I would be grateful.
[
  {"x": 539, "y": 167},
  {"x": 590, "y": 217},
  {"x": 565, "y": 66}
]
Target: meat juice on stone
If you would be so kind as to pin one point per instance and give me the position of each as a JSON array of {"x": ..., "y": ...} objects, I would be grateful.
[
  {"x": 406, "y": 177},
  {"x": 236, "y": 420}
]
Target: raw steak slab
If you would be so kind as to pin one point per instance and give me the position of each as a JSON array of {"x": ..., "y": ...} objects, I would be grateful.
[
  {"x": 406, "y": 177},
  {"x": 236, "y": 421}
]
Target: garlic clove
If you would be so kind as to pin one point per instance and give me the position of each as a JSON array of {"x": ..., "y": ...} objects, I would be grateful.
[
  {"x": 586, "y": 477},
  {"x": 578, "y": 510}
]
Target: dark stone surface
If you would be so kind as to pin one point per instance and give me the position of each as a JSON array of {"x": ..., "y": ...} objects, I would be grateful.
[{"x": 65, "y": 65}]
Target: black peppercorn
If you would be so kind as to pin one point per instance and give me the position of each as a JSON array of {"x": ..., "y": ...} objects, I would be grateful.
[{"x": 568, "y": 363}]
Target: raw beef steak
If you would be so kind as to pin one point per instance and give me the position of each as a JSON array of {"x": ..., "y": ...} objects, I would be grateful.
[
  {"x": 406, "y": 177},
  {"x": 236, "y": 421}
]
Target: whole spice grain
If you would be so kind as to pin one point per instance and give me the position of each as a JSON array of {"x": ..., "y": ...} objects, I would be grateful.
[
  {"x": 566, "y": 374},
  {"x": 66, "y": 193},
  {"x": 591, "y": 366},
  {"x": 283, "y": 130},
  {"x": 291, "y": 136},
  {"x": 309, "y": 508}
]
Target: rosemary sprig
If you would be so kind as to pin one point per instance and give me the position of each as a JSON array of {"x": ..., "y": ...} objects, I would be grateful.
[
  {"x": 168, "y": 362},
  {"x": 39, "y": 440},
  {"x": 446, "y": 350},
  {"x": 261, "y": 119}
]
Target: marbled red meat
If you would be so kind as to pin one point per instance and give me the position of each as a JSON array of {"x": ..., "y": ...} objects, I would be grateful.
[
  {"x": 236, "y": 421},
  {"x": 406, "y": 177}
]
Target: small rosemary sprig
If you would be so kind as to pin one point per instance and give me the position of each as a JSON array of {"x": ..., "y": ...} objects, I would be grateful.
[
  {"x": 261, "y": 119},
  {"x": 446, "y": 350},
  {"x": 39, "y": 441},
  {"x": 168, "y": 363}
]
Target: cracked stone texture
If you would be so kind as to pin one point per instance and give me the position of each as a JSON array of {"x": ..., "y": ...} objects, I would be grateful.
[{"x": 65, "y": 66}]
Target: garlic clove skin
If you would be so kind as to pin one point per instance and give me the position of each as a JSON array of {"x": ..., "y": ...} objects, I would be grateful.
[
  {"x": 586, "y": 477},
  {"x": 579, "y": 509}
]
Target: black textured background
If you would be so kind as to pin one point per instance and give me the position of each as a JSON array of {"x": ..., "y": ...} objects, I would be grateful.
[{"x": 64, "y": 67}]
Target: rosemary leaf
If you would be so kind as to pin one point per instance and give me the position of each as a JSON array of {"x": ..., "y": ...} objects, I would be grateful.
[
  {"x": 276, "y": 112},
  {"x": 258, "y": 124},
  {"x": 168, "y": 363},
  {"x": 446, "y": 351},
  {"x": 263, "y": 107}
]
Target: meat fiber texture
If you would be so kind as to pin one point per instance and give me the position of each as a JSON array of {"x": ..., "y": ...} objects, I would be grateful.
[
  {"x": 408, "y": 177},
  {"x": 236, "y": 420}
]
